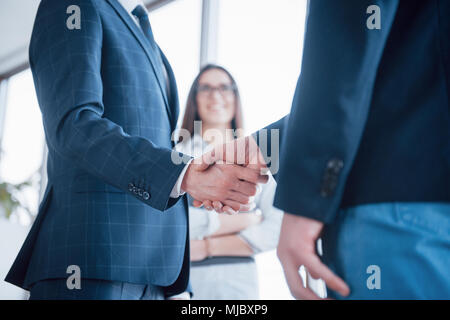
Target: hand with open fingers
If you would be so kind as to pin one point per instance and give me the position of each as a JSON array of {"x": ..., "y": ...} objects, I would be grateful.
[{"x": 297, "y": 247}]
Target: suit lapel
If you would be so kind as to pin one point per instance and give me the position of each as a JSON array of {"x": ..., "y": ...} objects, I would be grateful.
[
  {"x": 139, "y": 35},
  {"x": 173, "y": 92}
]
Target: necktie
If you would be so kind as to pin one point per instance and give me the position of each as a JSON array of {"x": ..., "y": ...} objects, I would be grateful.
[{"x": 140, "y": 13}]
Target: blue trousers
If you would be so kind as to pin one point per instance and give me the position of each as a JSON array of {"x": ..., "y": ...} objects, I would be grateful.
[
  {"x": 391, "y": 250},
  {"x": 92, "y": 289}
]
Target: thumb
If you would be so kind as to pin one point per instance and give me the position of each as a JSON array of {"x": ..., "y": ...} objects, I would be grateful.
[
  {"x": 205, "y": 160},
  {"x": 197, "y": 203}
]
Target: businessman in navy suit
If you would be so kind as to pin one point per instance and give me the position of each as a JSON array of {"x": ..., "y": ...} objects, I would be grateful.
[
  {"x": 114, "y": 209},
  {"x": 365, "y": 152}
]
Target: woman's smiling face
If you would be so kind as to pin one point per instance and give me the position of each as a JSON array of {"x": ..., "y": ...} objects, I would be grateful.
[{"x": 216, "y": 99}]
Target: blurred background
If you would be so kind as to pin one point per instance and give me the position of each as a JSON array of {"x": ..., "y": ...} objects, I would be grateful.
[{"x": 258, "y": 41}]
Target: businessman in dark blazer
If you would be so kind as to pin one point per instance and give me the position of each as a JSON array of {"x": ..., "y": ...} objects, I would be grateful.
[
  {"x": 365, "y": 152},
  {"x": 114, "y": 212}
]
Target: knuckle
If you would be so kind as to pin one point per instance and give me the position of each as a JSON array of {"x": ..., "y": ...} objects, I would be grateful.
[
  {"x": 286, "y": 250},
  {"x": 236, "y": 207},
  {"x": 253, "y": 189},
  {"x": 255, "y": 174}
]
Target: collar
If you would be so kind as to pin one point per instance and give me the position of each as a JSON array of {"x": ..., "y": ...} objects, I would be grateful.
[{"x": 129, "y": 5}]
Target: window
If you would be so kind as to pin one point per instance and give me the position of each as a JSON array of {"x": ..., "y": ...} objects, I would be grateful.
[
  {"x": 260, "y": 42},
  {"x": 23, "y": 140},
  {"x": 177, "y": 28}
]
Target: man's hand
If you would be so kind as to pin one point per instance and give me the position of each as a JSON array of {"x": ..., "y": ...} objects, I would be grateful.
[
  {"x": 230, "y": 184},
  {"x": 297, "y": 247},
  {"x": 244, "y": 152}
]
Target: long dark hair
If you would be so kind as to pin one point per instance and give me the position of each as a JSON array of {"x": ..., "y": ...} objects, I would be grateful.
[{"x": 191, "y": 112}]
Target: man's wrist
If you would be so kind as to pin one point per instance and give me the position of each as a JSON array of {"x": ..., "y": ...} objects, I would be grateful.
[
  {"x": 177, "y": 189},
  {"x": 186, "y": 177}
]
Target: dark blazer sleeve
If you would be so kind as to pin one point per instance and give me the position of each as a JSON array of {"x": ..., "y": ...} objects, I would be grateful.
[
  {"x": 270, "y": 142},
  {"x": 66, "y": 66},
  {"x": 331, "y": 103}
]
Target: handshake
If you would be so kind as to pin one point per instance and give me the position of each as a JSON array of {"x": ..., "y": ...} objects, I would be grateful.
[{"x": 226, "y": 178}]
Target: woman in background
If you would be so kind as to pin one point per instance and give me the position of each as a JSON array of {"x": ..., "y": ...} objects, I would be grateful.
[{"x": 223, "y": 246}]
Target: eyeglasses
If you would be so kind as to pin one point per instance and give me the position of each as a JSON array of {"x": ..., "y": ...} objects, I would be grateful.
[{"x": 225, "y": 90}]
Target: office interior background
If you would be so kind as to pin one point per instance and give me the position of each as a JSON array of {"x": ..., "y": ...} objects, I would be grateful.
[{"x": 258, "y": 41}]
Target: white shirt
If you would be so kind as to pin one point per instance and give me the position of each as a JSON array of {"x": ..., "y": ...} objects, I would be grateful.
[
  {"x": 176, "y": 192},
  {"x": 129, "y": 6}
]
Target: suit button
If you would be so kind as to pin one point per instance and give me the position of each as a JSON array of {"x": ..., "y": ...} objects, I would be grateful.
[
  {"x": 140, "y": 192},
  {"x": 135, "y": 190},
  {"x": 130, "y": 187},
  {"x": 330, "y": 177},
  {"x": 146, "y": 195}
]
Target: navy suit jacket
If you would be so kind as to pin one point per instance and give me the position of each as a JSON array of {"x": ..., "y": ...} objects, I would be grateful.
[
  {"x": 108, "y": 122},
  {"x": 370, "y": 119}
]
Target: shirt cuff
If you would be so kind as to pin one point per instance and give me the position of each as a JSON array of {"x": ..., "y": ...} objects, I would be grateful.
[{"x": 176, "y": 190}]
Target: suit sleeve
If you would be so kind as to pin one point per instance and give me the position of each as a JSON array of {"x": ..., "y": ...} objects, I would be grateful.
[
  {"x": 270, "y": 141},
  {"x": 66, "y": 66},
  {"x": 331, "y": 104}
]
